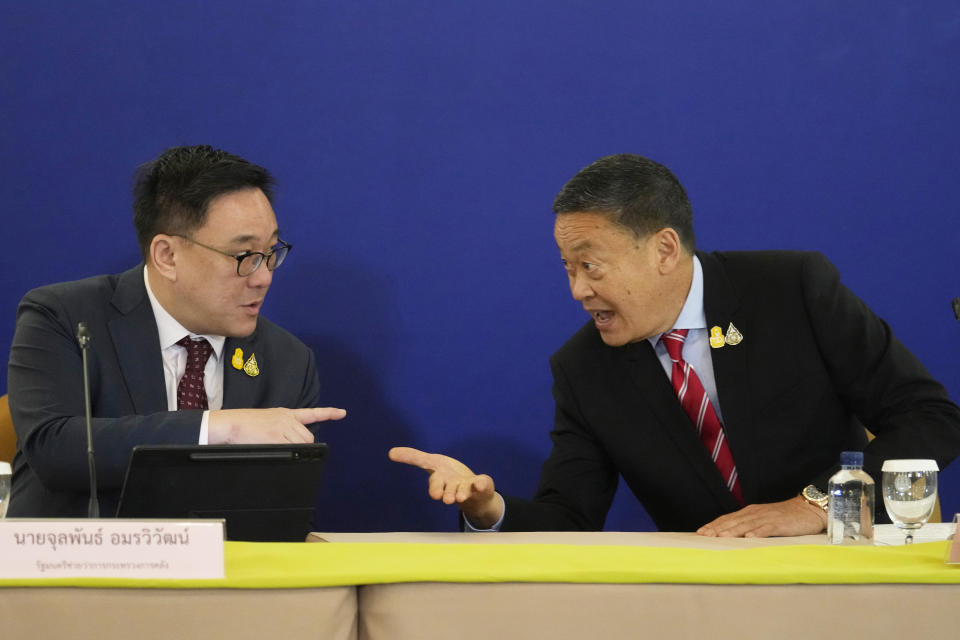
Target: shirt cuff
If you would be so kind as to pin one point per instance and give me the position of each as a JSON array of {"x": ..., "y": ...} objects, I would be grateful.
[
  {"x": 204, "y": 428},
  {"x": 496, "y": 526}
]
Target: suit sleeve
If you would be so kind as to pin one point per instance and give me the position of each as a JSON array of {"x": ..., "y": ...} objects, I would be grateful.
[
  {"x": 47, "y": 403},
  {"x": 577, "y": 481},
  {"x": 310, "y": 391},
  {"x": 877, "y": 378}
]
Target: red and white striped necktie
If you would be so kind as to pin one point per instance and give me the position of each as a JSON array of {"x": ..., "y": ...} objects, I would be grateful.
[{"x": 696, "y": 404}]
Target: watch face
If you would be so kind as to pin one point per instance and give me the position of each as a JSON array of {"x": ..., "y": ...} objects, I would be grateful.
[{"x": 812, "y": 493}]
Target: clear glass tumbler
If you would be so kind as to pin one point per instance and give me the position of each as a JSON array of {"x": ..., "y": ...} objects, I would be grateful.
[{"x": 909, "y": 493}]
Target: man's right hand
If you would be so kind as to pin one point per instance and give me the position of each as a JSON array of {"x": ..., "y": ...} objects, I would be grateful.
[
  {"x": 453, "y": 482},
  {"x": 266, "y": 426}
]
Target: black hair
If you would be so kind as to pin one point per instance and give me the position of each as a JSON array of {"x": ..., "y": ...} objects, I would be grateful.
[
  {"x": 172, "y": 193},
  {"x": 633, "y": 192}
]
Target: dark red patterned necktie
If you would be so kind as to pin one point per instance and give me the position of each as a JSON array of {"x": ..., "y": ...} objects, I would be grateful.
[
  {"x": 696, "y": 404},
  {"x": 191, "y": 394}
]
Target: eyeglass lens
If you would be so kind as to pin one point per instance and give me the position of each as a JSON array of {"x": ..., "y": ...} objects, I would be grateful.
[{"x": 251, "y": 262}]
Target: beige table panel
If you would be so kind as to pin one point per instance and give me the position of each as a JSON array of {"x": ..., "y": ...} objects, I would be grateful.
[
  {"x": 147, "y": 614},
  {"x": 423, "y": 611}
]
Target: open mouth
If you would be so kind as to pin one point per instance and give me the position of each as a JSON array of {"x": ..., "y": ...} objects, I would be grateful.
[{"x": 603, "y": 317}]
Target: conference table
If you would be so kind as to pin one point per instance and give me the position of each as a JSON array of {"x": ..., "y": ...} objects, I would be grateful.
[{"x": 513, "y": 585}]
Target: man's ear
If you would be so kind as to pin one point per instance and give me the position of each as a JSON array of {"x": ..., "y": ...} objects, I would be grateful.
[
  {"x": 669, "y": 249},
  {"x": 163, "y": 256}
]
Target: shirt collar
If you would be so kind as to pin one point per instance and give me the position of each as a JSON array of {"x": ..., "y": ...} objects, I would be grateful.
[
  {"x": 170, "y": 330},
  {"x": 692, "y": 315}
]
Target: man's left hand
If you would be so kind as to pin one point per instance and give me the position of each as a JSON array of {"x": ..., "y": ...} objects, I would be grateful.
[{"x": 793, "y": 517}]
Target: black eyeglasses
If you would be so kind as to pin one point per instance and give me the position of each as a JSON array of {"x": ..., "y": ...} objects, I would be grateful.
[{"x": 250, "y": 261}]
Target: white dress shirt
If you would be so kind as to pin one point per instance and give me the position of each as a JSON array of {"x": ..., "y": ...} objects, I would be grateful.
[
  {"x": 696, "y": 348},
  {"x": 175, "y": 361}
]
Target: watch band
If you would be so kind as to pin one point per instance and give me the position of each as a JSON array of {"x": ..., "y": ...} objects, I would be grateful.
[{"x": 814, "y": 496}]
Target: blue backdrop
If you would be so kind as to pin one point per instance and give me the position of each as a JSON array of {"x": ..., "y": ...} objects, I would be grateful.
[{"x": 418, "y": 147}]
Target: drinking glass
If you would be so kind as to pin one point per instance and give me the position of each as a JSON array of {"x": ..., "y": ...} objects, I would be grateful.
[
  {"x": 4, "y": 488},
  {"x": 909, "y": 493}
]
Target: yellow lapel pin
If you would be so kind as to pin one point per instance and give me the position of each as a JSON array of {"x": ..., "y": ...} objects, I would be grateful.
[
  {"x": 716, "y": 338},
  {"x": 250, "y": 367},
  {"x": 237, "y": 359}
]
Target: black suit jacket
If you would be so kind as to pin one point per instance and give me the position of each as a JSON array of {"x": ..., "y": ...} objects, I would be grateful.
[
  {"x": 815, "y": 366},
  {"x": 127, "y": 393}
]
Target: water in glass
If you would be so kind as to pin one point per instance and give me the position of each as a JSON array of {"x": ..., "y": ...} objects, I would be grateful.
[{"x": 909, "y": 493}]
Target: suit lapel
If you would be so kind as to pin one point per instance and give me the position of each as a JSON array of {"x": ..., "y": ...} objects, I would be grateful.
[
  {"x": 656, "y": 389},
  {"x": 721, "y": 302},
  {"x": 137, "y": 344},
  {"x": 660, "y": 398}
]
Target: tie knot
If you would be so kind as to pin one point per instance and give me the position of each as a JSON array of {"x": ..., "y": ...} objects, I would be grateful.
[
  {"x": 673, "y": 341},
  {"x": 198, "y": 351}
]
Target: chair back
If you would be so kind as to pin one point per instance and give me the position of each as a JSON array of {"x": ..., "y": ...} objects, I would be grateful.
[{"x": 8, "y": 437}]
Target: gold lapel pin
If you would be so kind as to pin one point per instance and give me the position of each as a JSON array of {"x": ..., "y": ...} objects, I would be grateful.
[
  {"x": 237, "y": 359},
  {"x": 734, "y": 337},
  {"x": 250, "y": 367},
  {"x": 716, "y": 338}
]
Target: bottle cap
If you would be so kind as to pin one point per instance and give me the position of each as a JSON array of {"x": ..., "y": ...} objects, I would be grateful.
[{"x": 851, "y": 459}]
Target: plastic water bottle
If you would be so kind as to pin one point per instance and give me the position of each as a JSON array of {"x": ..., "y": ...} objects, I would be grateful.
[{"x": 850, "y": 502}]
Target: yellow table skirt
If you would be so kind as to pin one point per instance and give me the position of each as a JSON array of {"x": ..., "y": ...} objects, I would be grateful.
[{"x": 252, "y": 565}]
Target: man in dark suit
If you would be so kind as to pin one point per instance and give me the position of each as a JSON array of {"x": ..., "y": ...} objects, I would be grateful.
[
  {"x": 178, "y": 354},
  {"x": 721, "y": 386}
]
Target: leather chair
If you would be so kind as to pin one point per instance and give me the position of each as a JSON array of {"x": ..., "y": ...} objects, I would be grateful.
[{"x": 8, "y": 437}]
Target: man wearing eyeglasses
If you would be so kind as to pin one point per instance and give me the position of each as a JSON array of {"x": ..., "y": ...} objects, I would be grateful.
[{"x": 179, "y": 353}]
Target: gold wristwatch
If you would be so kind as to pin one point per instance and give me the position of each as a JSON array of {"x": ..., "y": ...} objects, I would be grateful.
[{"x": 814, "y": 496}]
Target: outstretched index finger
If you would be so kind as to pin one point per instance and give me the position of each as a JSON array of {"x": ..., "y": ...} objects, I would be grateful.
[{"x": 318, "y": 414}]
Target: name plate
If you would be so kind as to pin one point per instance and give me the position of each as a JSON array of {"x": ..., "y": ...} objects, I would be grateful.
[{"x": 111, "y": 548}]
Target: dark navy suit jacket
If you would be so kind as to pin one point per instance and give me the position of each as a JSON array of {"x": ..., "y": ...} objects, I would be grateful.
[
  {"x": 127, "y": 392},
  {"x": 815, "y": 366}
]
